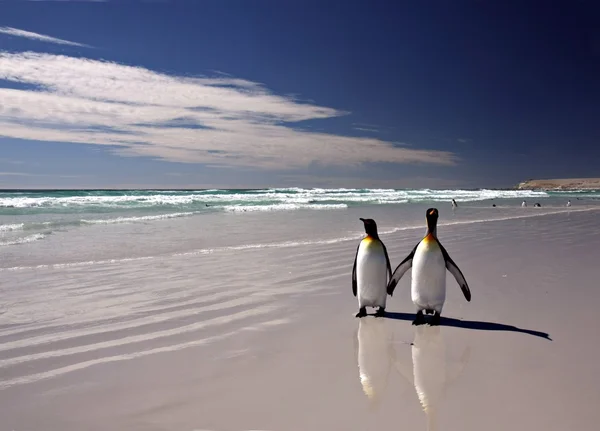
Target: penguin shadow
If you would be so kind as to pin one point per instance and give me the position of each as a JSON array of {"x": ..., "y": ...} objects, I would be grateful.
[
  {"x": 375, "y": 354},
  {"x": 430, "y": 372},
  {"x": 471, "y": 324}
]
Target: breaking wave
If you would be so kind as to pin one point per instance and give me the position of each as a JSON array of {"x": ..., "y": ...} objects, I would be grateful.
[
  {"x": 276, "y": 199},
  {"x": 24, "y": 239}
]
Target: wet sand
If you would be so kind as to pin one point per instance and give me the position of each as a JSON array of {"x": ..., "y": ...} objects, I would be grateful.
[{"x": 266, "y": 339}]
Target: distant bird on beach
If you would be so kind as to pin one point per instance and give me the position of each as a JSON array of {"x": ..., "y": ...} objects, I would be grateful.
[
  {"x": 454, "y": 204},
  {"x": 429, "y": 261},
  {"x": 370, "y": 271},
  {"x": 537, "y": 205},
  {"x": 524, "y": 204},
  {"x": 569, "y": 203}
]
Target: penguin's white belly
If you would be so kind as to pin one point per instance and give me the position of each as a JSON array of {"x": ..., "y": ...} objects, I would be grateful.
[
  {"x": 371, "y": 274},
  {"x": 428, "y": 286}
]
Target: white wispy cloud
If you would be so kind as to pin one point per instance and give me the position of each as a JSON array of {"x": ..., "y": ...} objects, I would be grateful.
[
  {"x": 220, "y": 121},
  {"x": 17, "y": 174},
  {"x": 11, "y": 161},
  {"x": 29, "y": 174},
  {"x": 37, "y": 36}
]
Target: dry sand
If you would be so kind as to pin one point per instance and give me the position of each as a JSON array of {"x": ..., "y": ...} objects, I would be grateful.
[{"x": 274, "y": 345}]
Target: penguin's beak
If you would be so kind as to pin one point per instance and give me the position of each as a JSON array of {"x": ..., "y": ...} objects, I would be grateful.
[{"x": 362, "y": 219}]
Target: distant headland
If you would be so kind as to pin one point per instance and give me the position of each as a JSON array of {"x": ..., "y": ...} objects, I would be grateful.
[{"x": 561, "y": 184}]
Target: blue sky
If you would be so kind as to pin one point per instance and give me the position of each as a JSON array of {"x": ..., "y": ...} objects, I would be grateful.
[{"x": 267, "y": 93}]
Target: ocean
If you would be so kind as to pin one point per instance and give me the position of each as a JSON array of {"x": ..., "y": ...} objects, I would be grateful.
[{"x": 83, "y": 227}]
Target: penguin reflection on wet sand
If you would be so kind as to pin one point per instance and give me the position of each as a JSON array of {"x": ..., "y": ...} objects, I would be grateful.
[
  {"x": 370, "y": 271},
  {"x": 375, "y": 356},
  {"x": 429, "y": 261},
  {"x": 430, "y": 372}
]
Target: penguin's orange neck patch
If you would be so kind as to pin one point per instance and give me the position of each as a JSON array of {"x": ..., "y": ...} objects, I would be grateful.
[
  {"x": 368, "y": 238},
  {"x": 429, "y": 237}
]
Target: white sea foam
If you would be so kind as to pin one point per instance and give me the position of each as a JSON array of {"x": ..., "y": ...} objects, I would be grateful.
[
  {"x": 264, "y": 197},
  {"x": 282, "y": 207},
  {"x": 11, "y": 227},
  {"x": 138, "y": 219},
  {"x": 24, "y": 240}
]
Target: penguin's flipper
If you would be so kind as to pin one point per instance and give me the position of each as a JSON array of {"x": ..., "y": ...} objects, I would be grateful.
[
  {"x": 404, "y": 266},
  {"x": 387, "y": 261},
  {"x": 354, "y": 282},
  {"x": 457, "y": 273}
]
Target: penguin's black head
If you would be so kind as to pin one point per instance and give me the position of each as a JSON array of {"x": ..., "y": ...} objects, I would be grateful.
[
  {"x": 370, "y": 227},
  {"x": 432, "y": 216}
]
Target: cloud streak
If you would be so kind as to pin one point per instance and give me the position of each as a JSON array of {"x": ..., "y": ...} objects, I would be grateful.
[
  {"x": 17, "y": 174},
  {"x": 366, "y": 129},
  {"x": 222, "y": 121},
  {"x": 37, "y": 36}
]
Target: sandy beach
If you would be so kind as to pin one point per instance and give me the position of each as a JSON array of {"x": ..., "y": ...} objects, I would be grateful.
[{"x": 265, "y": 338}]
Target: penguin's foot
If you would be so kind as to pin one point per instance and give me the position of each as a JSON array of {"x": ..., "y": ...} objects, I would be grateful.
[
  {"x": 380, "y": 312},
  {"x": 435, "y": 320},
  {"x": 419, "y": 318},
  {"x": 362, "y": 312},
  {"x": 429, "y": 311}
]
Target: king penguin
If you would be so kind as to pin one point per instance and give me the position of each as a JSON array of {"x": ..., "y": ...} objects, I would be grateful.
[
  {"x": 429, "y": 261},
  {"x": 370, "y": 271}
]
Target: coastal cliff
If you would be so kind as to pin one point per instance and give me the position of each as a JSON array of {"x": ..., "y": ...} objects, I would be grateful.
[{"x": 561, "y": 184}]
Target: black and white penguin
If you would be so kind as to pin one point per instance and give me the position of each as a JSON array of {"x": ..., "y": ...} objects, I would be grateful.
[
  {"x": 429, "y": 261},
  {"x": 370, "y": 271}
]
